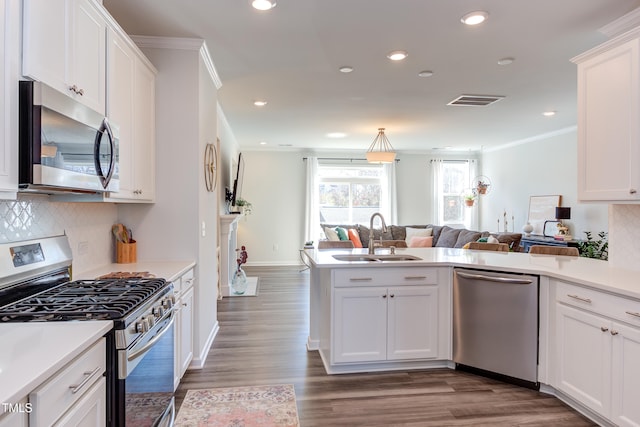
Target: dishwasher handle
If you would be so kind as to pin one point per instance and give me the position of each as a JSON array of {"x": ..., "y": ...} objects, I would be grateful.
[{"x": 505, "y": 280}]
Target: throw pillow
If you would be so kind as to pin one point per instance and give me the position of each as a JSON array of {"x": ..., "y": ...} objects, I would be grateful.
[
  {"x": 492, "y": 239},
  {"x": 421, "y": 242},
  {"x": 342, "y": 233},
  {"x": 448, "y": 237},
  {"x": 418, "y": 232},
  {"x": 331, "y": 234},
  {"x": 466, "y": 236},
  {"x": 354, "y": 237}
]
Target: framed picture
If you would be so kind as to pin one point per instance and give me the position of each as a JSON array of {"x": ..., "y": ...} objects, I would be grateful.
[{"x": 542, "y": 208}]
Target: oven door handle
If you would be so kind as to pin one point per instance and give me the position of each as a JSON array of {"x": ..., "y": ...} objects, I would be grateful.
[{"x": 138, "y": 353}]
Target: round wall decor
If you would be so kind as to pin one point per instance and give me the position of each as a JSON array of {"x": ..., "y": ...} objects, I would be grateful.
[{"x": 210, "y": 167}]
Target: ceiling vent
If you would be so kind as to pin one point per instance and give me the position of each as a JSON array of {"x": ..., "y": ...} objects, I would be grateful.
[{"x": 475, "y": 100}]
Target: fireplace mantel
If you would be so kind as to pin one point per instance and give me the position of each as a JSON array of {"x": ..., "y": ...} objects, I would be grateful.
[{"x": 228, "y": 246}]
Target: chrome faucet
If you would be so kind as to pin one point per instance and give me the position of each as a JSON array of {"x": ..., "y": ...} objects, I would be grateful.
[{"x": 372, "y": 244}]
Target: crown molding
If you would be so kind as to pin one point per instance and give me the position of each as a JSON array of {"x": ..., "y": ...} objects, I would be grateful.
[
  {"x": 540, "y": 137},
  {"x": 621, "y": 25},
  {"x": 153, "y": 42}
]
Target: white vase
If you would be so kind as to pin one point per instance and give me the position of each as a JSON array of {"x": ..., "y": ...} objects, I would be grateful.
[{"x": 528, "y": 228}]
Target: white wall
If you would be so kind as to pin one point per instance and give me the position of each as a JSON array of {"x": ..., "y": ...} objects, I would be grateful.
[
  {"x": 274, "y": 183},
  {"x": 186, "y": 104},
  {"x": 541, "y": 166}
]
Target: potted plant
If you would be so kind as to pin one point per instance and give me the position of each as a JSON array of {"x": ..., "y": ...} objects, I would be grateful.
[
  {"x": 244, "y": 206},
  {"x": 469, "y": 199},
  {"x": 482, "y": 187},
  {"x": 469, "y": 196},
  {"x": 595, "y": 248}
]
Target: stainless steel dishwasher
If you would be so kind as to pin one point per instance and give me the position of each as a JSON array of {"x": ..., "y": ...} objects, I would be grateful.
[{"x": 495, "y": 325}]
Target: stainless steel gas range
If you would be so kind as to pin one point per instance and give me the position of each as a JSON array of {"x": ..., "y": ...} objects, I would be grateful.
[{"x": 36, "y": 286}]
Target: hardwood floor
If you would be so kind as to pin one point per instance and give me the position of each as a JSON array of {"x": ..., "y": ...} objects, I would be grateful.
[{"x": 262, "y": 341}]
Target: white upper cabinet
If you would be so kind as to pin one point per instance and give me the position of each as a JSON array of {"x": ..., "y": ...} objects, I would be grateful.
[
  {"x": 64, "y": 45},
  {"x": 9, "y": 42},
  {"x": 131, "y": 107},
  {"x": 608, "y": 122}
]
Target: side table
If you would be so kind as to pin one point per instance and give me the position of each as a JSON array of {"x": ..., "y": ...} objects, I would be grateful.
[{"x": 527, "y": 241}]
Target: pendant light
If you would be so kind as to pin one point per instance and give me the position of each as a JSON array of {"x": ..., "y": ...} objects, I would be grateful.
[{"x": 380, "y": 150}]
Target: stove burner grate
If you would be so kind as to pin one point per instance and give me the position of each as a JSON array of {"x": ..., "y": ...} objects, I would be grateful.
[{"x": 102, "y": 299}]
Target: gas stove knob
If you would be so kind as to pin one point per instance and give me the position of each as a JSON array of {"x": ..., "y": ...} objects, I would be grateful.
[
  {"x": 151, "y": 320},
  {"x": 142, "y": 326},
  {"x": 167, "y": 303},
  {"x": 158, "y": 311}
]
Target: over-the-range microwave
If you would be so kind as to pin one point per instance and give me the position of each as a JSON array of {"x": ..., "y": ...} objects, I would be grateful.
[{"x": 64, "y": 146}]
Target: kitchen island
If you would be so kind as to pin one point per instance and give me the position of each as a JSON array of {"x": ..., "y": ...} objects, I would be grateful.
[{"x": 589, "y": 320}]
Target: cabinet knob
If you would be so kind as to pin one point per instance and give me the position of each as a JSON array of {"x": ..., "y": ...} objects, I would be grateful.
[
  {"x": 384, "y": 296},
  {"x": 633, "y": 191},
  {"x": 604, "y": 328},
  {"x": 393, "y": 295},
  {"x": 614, "y": 332}
]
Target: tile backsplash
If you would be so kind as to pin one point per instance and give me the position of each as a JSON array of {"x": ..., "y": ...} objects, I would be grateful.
[
  {"x": 88, "y": 226},
  {"x": 624, "y": 236}
]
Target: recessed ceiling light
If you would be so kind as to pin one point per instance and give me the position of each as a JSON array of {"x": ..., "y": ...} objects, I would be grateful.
[
  {"x": 397, "y": 55},
  {"x": 336, "y": 135},
  {"x": 346, "y": 69},
  {"x": 263, "y": 4},
  {"x": 263, "y": 142},
  {"x": 549, "y": 113},
  {"x": 425, "y": 73},
  {"x": 505, "y": 61},
  {"x": 260, "y": 103},
  {"x": 474, "y": 18}
]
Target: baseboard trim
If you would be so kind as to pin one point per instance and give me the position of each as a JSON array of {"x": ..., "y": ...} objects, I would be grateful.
[{"x": 198, "y": 362}]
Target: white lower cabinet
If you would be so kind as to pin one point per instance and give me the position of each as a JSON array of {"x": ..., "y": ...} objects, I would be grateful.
[
  {"x": 183, "y": 350},
  {"x": 598, "y": 352},
  {"x": 584, "y": 358},
  {"x": 377, "y": 323},
  {"x": 89, "y": 411},
  {"x": 389, "y": 315},
  {"x": 76, "y": 395},
  {"x": 625, "y": 391},
  {"x": 15, "y": 414}
]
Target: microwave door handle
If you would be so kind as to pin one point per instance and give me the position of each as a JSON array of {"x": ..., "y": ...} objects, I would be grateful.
[{"x": 104, "y": 127}]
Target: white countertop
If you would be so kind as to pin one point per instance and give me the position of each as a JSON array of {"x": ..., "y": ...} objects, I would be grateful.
[
  {"x": 33, "y": 351},
  {"x": 169, "y": 270},
  {"x": 585, "y": 271}
]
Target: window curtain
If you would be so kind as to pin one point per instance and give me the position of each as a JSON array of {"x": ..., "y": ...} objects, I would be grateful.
[
  {"x": 471, "y": 213},
  {"x": 312, "y": 207},
  {"x": 470, "y": 220},
  {"x": 437, "y": 209},
  {"x": 389, "y": 196}
]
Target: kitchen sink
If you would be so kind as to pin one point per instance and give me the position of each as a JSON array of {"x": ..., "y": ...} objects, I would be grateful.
[{"x": 376, "y": 257}]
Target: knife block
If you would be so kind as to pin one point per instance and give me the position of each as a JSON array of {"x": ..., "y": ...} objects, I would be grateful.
[{"x": 126, "y": 253}]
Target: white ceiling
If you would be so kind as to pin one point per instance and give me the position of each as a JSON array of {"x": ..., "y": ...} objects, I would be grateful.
[{"x": 290, "y": 56}]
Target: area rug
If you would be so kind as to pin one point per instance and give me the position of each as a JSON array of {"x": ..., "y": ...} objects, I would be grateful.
[
  {"x": 240, "y": 407},
  {"x": 252, "y": 288}
]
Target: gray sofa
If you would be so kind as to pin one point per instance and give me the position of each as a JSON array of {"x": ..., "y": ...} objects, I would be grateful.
[{"x": 443, "y": 236}]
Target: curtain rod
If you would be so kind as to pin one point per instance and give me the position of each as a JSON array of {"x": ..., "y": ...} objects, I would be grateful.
[{"x": 342, "y": 158}]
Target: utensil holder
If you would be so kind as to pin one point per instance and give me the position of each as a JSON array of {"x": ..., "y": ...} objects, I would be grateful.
[{"x": 126, "y": 253}]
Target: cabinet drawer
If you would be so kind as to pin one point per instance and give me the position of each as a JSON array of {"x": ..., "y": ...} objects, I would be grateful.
[
  {"x": 385, "y": 276},
  {"x": 187, "y": 280},
  {"x": 183, "y": 283},
  {"x": 61, "y": 391},
  {"x": 616, "y": 307}
]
